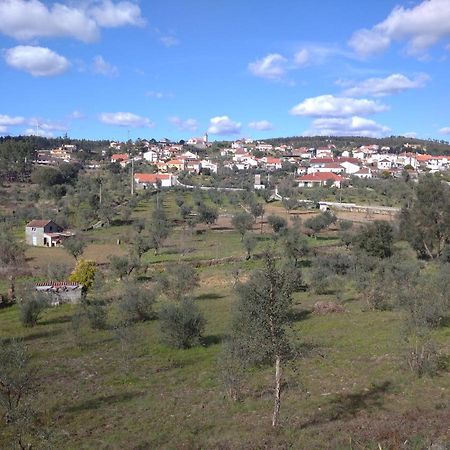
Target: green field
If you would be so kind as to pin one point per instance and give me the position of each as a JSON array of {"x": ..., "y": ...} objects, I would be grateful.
[{"x": 349, "y": 390}]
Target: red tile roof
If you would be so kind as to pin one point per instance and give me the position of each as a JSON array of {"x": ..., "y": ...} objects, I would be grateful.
[
  {"x": 120, "y": 156},
  {"x": 38, "y": 223},
  {"x": 321, "y": 176},
  {"x": 151, "y": 177}
]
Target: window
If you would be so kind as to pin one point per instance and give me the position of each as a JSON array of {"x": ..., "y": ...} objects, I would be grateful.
[{"x": 33, "y": 229}]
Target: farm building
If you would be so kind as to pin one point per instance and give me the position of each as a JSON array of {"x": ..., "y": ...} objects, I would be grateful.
[
  {"x": 45, "y": 233},
  {"x": 60, "y": 292}
]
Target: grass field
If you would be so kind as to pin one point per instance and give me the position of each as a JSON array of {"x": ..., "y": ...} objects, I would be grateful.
[{"x": 350, "y": 390}]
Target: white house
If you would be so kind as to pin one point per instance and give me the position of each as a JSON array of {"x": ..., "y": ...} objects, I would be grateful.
[
  {"x": 151, "y": 156},
  {"x": 145, "y": 180}
]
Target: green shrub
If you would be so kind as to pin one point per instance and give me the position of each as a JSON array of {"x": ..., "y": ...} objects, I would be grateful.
[
  {"x": 31, "y": 309},
  {"x": 136, "y": 304},
  {"x": 182, "y": 324}
]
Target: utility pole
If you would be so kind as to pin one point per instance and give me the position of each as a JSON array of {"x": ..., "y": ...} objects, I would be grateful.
[{"x": 132, "y": 176}]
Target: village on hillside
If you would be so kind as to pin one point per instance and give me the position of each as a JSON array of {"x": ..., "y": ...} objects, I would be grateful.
[{"x": 322, "y": 166}]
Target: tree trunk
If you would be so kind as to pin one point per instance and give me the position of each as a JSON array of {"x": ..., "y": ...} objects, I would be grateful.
[{"x": 277, "y": 404}]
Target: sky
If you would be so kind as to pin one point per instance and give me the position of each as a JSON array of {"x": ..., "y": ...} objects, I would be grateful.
[{"x": 108, "y": 69}]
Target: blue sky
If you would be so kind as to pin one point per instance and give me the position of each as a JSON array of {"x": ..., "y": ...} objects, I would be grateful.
[{"x": 255, "y": 68}]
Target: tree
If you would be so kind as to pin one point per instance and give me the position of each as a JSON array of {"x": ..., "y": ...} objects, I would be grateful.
[
  {"x": 242, "y": 222},
  {"x": 277, "y": 223},
  {"x": 16, "y": 379},
  {"x": 257, "y": 210},
  {"x": 426, "y": 222},
  {"x": 376, "y": 239},
  {"x": 12, "y": 253},
  {"x": 31, "y": 308},
  {"x": 75, "y": 245},
  {"x": 178, "y": 280},
  {"x": 262, "y": 315},
  {"x": 249, "y": 242},
  {"x": 207, "y": 214},
  {"x": 318, "y": 223},
  {"x": 123, "y": 266},
  {"x": 289, "y": 203},
  {"x": 84, "y": 273},
  {"x": 136, "y": 303},
  {"x": 295, "y": 245},
  {"x": 181, "y": 324},
  {"x": 159, "y": 229}
]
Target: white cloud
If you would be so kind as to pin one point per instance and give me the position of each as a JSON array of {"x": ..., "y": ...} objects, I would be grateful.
[
  {"x": 111, "y": 15},
  {"x": 39, "y": 61},
  {"x": 125, "y": 119},
  {"x": 76, "y": 115},
  {"x": 331, "y": 106},
  {"x": 46, "y": 125},
  {"x": 351, "y": 126},
  {"x": 184, "y": 125},
  {"x": 31, "y": 19},
  {"x": 3, "y": 129},
  {"x": 272, "y": 67},
  {"x": 38, "y": 132},
  {"x": 422, "y": 26},
  {"x": 302, "y": 57},
  {"x": 261, "y": 125},
  {"x": 103, "y": 67},
  {"x": 410, "y": 134},
  {"x": 6, "y": 120},
  {"x": 159, "y": 94},
  {"x": 445, "y": 130},
  {"x": 223, "y": 125},
  {"x": 393, "y": 84},
  {"x": 169, "y": 41}
]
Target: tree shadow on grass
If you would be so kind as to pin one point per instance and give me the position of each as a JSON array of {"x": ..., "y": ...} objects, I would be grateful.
[
  {"x": 297, "y": 316},
  {"x": 347, "y": 406},
  {"x": 56, "y": 320},
  {"x": 209, "y": 296},
  {"x": 32, "y": 337},
  {"x": 102, "y": 401},
  {"x": 212, "y": 339}
]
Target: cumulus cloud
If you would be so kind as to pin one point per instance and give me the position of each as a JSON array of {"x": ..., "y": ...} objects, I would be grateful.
[
  {"x": 6, "y": 120},
  {"x": 393, "y": 84},
  {"x": 103, "y": 67},
  {"x": 261, "y": 125},
  {"x": 184, "y": 125},
  {"x": 3, "y": 129},
  {"x": 421, "y": 26},
  {"x": 111, "y": 15},
  {"x": 31, "y": 19},
  {"x": 46, "y": 125},
  {"x": 125, "y": 119},
  {"x": 331, "y": 106},
  {"x": 272, "y": 67},
  {"x": 350, "y": 126},
  {"x": 445, "y": 130},
  {"x": 38, "y": 61},
  {"x": 38, "y": 132},
  {"x": 223, "y": 125}
]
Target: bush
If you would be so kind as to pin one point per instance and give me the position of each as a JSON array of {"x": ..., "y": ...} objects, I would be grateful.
[
  {"x": 136, "y": 304},
  {"x": 96, "y": 315},
  {"x": 182, "y": 325},
  {"x": 31, "y": 309},
  {"x": 277, "y": 223}
]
